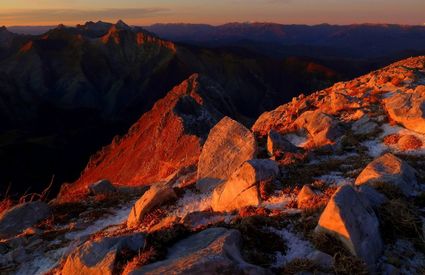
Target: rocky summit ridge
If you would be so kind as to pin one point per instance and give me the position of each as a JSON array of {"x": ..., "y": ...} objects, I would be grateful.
[{"x": 329, "y": 183}]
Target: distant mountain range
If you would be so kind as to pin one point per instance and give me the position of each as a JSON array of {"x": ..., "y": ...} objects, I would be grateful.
[{"x": 343, "y": 41}]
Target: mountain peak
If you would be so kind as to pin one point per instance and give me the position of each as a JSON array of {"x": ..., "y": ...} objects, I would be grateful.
[{"x": 122, "y": 25}]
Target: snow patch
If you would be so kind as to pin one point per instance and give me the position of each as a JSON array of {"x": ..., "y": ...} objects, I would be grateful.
[
  {"x": 278, "y": 201},
  {"x": 192, "y": 202},
  {"x": 299, "y": 141},
  {"x": 335, "y": 178},
  {"x": 119, "y": 216},
  {"x": 297, "y": 248},
  {"x": 375, "y": 147}
]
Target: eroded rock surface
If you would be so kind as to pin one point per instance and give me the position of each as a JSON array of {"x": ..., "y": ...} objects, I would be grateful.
[
  {"x": 408, "y": 108},
  {"x": 242, "y": 188},
  {"x": 155, "y": 196},
  {"x": 20, "y": 217},
  {"x": 99, "y": 256},
  {"x": 354, "y": 223},
  {"x": 229, "y": 144},
  {"x": 388, "y": 169},
  {"x": 212, "y": 251}
]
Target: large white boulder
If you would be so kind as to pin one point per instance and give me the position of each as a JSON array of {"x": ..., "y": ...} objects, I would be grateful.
[
  {"x": 389, "y": 169},
  {"x": 242, "y": 188},
  {"x": 229, "y": 144},
  {"x": 408, "y": 108},
  {"x": 212, "y": 251},
  {"x": 98, "y": 257},
  {"x": 22, "y": 216},
  {"x": 157, "y": 195},
  {"x": 351, "y": 220},
  {"x": 322, "y": 128}
]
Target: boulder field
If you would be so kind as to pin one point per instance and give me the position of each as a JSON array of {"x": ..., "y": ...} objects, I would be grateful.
[{"x": 329, "y": 183}]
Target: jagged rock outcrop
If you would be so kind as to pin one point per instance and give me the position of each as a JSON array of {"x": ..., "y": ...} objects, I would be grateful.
[
  {"x": 388, "y": 169},
  {"x": 408, "y": 108},
  {"x": 322, "y": 128},
  {"x": 229, "y": 144},
  {"x": 364, "y": 126},
  {"x": 99, "y": 256},
  {"x": 351, "y": 220},
  {"x": 277, "y": 144},
  {"x": 155, "y": 196},
  {"x": 22, "y": 216},
  {"x": 165, "y": 139},
  {"x": 243, "y": 187},
  {"x": 212, "y": 251}
]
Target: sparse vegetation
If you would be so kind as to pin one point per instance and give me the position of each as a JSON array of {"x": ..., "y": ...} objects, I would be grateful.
[
  {"x": 259, "y": 245},
  {"x": 300, "y": 265},
  {"x": 399, "y": 219}
]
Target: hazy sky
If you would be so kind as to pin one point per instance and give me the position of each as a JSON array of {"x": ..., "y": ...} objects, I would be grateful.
[{"x": 52, "y": 12}]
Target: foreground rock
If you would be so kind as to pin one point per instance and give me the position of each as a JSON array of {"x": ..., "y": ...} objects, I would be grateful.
[
  {"x": 99, "y": 256},
  {"x": 348, "y": 218},
  {"x": 229, "y": 144},
  {"x": 390, "y": 170},
  {"x": 155, "y": 196},
  {"x": 20, "y": 217},
  {"x": 408, "y": 108},
  {"x": 322, "y": 128},
  {"x": 243, "y": 187},
  {"x": 306, "y": 197},
  {"x": 277, "y": 144},
  {"x": 212, "y": 251},
  {"x": 102, "y": 187}
]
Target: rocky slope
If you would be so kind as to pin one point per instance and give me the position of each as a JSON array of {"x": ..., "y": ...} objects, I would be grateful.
[{"x": 328, "y": 183}]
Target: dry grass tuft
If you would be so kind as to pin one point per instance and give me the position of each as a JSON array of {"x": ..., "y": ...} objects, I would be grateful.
[
  {"x": 297, "y": 266},
  {"x": 399, "y": 219},
  {"x": 144, "y": 257},
  {"x": 348, "y": 264},
  {"x": 389, "y": 190},
  {"x": 259, "y": 245},
  {"x": 344, "y": 261}
]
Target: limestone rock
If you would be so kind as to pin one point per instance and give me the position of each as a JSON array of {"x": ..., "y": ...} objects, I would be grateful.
[
  {"x": 20, "y": 217},
  {"x": 354, "y": 223},
  {"x": 323, "y": 128},
  {"x": 155, "y": 196},
  {"x": 343, "y": 102},
  {"x": 371, "y": 196},
  {"x": 99, "y": 256},
  {"x": 408, "y": 108},
  {"x": 277, "y": 144},
  {"x": 102, "y": 187},
  {"x": 242, "y": 188},
  {"x": 306, "y": 195},
  {"x": 364, "y": 126},
  {"x": 229, "y": 144},
  {"x": 212, "y": 251},
  {"x": 391, "y": 170}
]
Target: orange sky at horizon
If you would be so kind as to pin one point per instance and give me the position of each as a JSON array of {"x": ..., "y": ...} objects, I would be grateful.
[{"x": 134, "y": 12}]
